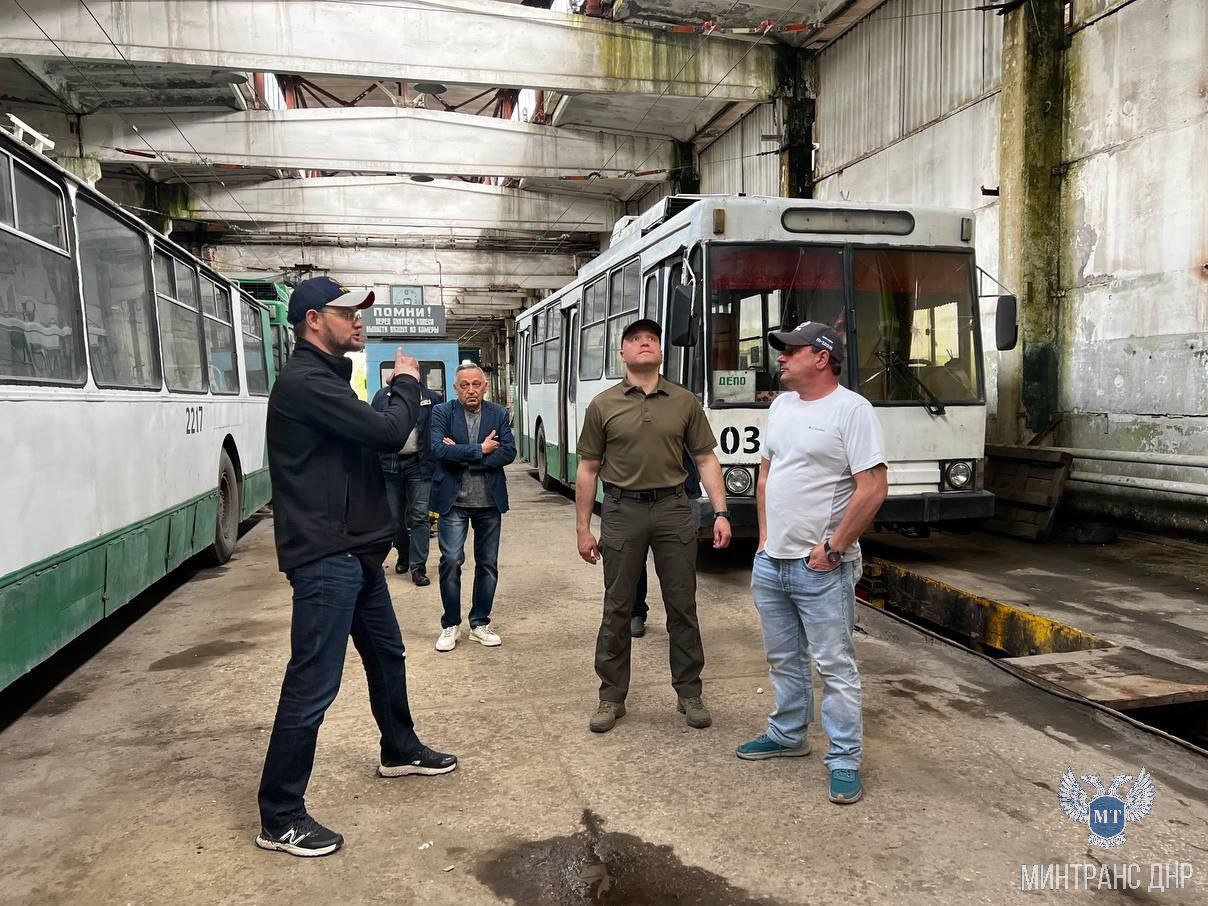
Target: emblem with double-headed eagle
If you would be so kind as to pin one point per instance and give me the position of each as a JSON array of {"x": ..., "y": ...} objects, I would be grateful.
[{"x": 1106, "y": 814}]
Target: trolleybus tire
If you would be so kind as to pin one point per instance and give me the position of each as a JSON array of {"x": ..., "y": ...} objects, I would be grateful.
[
  {"x": 226, "y": 517},
  {"x": 543, "y": 463}
]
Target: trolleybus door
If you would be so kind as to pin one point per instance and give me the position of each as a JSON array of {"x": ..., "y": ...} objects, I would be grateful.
[{"x": 568, "y": 391}]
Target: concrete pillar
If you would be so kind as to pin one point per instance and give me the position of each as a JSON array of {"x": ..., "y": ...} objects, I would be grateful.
[
  {"x": 1029, "y": 160},
  {"x": 169, "y": 199},
  {"x": 685, "y": 180},
  {"x": 86, "y": 168},
  {"x": 797, "y": 118}
]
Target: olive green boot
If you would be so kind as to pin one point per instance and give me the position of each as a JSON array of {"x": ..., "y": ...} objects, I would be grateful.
[{"x": 696, "y": 712}]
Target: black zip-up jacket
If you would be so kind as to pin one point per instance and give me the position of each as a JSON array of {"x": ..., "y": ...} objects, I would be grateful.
[{"x": 323, "y": 442}]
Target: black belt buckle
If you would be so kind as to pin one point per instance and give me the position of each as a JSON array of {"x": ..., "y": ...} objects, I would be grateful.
[{"x": 646, "y": 496}]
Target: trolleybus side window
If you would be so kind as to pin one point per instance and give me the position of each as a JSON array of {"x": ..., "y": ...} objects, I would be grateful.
[
  {"x": 650, "y": 307},
  {"x": 591, "y": 335},
  {"x": 553, "y": 345},
  {"x": 118, "y": 302},
  {"x": 220, "y": 338},
  {"x": 673, "y": 356},
  {"x": 180, "y": 325},
  {"x": 623, "y": 305},
  {"x": 537, "y": 350},
  {"x": 526, "y": 353},
  {"x": 41, "y": 326},
  {"x": 254, "y": 359},
  {"x": 915, "y": 322}
]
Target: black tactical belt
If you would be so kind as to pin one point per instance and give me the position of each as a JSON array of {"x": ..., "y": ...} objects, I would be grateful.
[{"x": 648, "y": 496}]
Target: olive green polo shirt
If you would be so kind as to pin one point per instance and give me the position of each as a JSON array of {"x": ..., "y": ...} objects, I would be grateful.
[{"x": 641, "y": 439}]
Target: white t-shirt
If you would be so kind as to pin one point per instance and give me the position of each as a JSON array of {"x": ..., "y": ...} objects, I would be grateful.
[{"x": 815, "y": 448}]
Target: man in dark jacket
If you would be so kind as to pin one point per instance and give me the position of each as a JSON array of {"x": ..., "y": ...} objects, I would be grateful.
[
  {"x": 408, "y": 474},
  {"x": 332, "y": 528},
  {"x": 471, "y": 442}
]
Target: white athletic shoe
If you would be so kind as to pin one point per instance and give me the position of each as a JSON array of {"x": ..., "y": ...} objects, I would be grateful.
[
  {"x": 486, "y": 635},
  {"x": 447, "y": 640}
]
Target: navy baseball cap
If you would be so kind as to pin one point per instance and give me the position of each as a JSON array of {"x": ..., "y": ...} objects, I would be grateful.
[
  {"x": 319, "y": 292},
  {"x": 642, "y": 324},
  {"x": 810, "y": 333}
]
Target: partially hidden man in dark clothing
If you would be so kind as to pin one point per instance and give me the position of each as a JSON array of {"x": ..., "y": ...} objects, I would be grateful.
[
  {"x": 333, "y": 529},
  {"x": 408, "y": 475},
  {"x": 633, "y": 438}
]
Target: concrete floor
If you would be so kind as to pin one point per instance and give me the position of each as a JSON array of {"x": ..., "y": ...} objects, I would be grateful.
[{"x": 134, "y": 780}]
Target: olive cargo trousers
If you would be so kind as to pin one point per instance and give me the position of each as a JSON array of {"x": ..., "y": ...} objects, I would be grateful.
[{"x": 628, "y": 529}]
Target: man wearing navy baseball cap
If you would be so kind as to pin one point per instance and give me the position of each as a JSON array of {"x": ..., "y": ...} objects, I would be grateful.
[{"x": 332, "y": 526}]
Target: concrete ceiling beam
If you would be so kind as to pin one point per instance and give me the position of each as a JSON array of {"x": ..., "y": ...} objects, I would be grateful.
[
  {"x": 495, "y": 273},
  {"x": 374, "y": 140},
  {"x": 383, "y": 202},
  {"x": 471, "y": 42}
]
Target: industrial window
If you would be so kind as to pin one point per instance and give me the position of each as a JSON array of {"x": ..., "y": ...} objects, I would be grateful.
[
  {"x": 623, "y": 309},
  {"x": 254, "y": 359},
  {"x": 41, "y": 336},
  {"x": 432, "y": 376},
  {"x": 220, "y": 338},
  {"x": 591, "y": 336},
  {"x": 119, "y": 305},
  {"x": 179, "y": 325}
]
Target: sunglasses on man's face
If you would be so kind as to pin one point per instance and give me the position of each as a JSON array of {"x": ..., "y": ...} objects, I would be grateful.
[{"x": 348, "y": 314}]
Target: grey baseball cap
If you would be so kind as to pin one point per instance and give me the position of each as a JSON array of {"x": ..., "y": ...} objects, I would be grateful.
[{"x": 810, "y": 333}]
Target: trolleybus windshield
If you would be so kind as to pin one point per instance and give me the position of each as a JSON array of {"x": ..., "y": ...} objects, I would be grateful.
[{"x": 913, "y": 319}]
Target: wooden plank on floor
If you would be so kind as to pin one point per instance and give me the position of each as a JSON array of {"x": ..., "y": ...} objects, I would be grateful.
[{"x": 1119, "y": 677}]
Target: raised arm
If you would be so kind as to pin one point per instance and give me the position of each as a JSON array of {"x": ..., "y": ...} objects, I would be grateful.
[{"x": 336, "y": 409}]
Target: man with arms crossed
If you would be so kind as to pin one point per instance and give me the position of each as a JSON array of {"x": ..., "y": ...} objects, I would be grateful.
[
  {"x": 333, "y": 528},
  {"x": 633, "y": 438},
  {"x": 822, "y": 479}
]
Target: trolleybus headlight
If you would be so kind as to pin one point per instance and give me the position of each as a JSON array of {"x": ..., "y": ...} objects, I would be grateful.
[
  {"x": 958, "y": 475},
  {"x": 738, "y": 481}
]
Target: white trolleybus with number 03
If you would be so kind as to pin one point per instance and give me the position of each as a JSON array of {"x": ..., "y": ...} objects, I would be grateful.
[
  {"x": 134, "y": 387},
  {"x": 718, "y": 273}
]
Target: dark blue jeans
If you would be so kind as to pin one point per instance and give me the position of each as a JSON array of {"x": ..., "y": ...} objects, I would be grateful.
[
  {"x": 407, "y": 493},
  {"x": 334, "y": 597},
  {"x": 454, "y": 528}
]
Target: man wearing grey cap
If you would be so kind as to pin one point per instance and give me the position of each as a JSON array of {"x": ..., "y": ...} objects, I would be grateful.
[{"x": 821, "y": 481}]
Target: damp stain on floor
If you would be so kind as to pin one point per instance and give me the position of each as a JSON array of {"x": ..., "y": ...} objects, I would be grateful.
[{"x": 604, "y": 867}]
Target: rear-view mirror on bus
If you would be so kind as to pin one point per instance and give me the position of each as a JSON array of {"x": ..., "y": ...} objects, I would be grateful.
[
  {"x": 679, "y": 321},
  {"x": 1006, "y": 323}
]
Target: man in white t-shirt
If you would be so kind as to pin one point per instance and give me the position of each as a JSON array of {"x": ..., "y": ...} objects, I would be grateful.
[{"x": 821, "y": 482}]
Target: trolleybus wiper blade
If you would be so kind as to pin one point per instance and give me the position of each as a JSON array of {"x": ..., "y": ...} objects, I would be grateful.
[{"x": 894, "y": 361}]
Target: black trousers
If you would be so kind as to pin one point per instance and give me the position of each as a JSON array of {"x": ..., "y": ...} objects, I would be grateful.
[
  {"x": 628, "y": 530},
  {"x": 334, "y": 598}
]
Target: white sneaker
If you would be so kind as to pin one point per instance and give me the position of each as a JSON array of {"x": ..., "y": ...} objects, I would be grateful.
[
  {"x": 447, "y": 640},
  {"x": 486, "y": 635}
]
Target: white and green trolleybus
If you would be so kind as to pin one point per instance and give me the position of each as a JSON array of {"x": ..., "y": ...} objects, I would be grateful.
[
  {"x": 720, "y": 272},
  {"x": 134, "y": 386}
]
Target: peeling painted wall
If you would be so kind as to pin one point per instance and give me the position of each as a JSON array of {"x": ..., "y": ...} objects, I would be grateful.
[
  {"x": 1133, "y": 231},
  {"x": 1134, "y": 266}
]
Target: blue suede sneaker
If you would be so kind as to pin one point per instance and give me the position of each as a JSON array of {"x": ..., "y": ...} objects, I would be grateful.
[
  {"x": 763, "y": 746},
  {"x": 845, "y": 786}
]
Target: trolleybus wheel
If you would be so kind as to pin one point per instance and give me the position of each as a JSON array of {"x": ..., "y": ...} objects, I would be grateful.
[
  {"x": 226, "y": 520},
  {"x": 543, "y": 462}
]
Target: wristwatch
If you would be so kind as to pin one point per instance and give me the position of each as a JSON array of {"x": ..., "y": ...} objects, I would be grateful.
[
  {"x": 721, "y": 514},
  {"x": 832, "y": 556}
]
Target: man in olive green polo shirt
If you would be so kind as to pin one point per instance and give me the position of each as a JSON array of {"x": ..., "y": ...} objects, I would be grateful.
[{"x": 633, "y": 439}]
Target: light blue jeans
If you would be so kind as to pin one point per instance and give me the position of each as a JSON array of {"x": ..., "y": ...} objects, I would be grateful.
[{"x": 808, "y": 616}]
